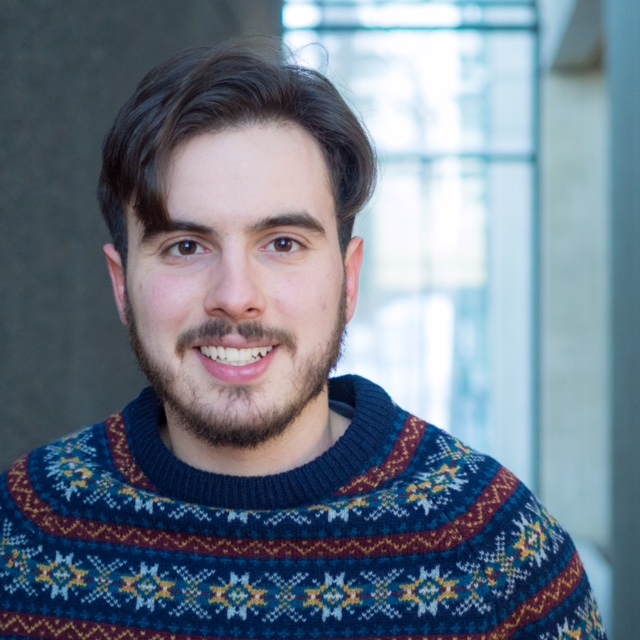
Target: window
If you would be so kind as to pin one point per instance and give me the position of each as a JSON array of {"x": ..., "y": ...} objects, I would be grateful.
[{"x": 445, "y": 320}]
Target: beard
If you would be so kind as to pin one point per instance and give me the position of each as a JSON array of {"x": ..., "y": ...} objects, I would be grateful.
[{"x": 233, "y": 417}]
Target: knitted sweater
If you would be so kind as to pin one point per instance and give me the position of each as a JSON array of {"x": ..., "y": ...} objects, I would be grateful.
[{"x": 398, "y": 531}]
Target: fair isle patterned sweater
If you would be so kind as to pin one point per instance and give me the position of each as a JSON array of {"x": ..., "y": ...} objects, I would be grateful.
[{"x": 398, "y": 531}]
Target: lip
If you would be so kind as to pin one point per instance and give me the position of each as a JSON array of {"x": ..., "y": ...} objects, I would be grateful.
[{"x": 231, "y": 374}]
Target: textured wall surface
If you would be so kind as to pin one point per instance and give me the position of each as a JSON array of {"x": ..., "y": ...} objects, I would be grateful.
[
  {"x": 575, "y": 433},
  {"x": 623, "y": 23},
  {"x": 65, "y": 69}
]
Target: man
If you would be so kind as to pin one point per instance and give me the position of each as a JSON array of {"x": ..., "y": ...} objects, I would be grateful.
[{"x": 243, "y": 495}]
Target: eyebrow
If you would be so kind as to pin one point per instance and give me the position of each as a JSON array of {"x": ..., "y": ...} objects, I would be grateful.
[
  {"x": 176, "y": 225},
  {"x": 300, "y": 219}
]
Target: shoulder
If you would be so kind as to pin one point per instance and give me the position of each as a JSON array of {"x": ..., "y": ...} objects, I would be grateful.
[
  {"x": 52, "y": 475},
  {"x": 513, "y": 556},
  {"x": 69, "y": 463}
]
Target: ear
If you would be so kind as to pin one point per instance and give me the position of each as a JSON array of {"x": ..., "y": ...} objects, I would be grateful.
[
  {"x": 352, "y": 264},
  {"x": 118, "y": 279}
]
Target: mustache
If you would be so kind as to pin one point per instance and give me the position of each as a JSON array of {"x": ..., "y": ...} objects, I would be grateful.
[{"x": 217, "y": 328}]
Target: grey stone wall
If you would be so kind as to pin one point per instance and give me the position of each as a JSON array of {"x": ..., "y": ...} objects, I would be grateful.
[{"x": 65, "y": 69}]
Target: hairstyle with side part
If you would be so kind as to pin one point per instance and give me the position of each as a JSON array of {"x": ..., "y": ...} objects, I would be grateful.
[{"x": 208, "y": 89}]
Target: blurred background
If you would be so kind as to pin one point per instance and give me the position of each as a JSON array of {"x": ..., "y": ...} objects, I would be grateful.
[{"x": 501, "y": 291}]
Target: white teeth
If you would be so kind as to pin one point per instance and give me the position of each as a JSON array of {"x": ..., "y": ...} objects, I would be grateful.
[{"x": 235, "y": 357}]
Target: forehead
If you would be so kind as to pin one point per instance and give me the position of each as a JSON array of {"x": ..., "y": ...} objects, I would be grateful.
[{"x": 254, "y": 170}]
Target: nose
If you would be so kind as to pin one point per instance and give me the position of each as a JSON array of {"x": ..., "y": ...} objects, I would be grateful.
[{"x": 234, "y": 289}]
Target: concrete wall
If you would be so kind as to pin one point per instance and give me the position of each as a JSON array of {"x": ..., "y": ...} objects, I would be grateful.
[
  {"x": 65, "y": 69},
  {"x": 591, "y": 290},
  {"x": 575, "y": 435},
  {"x": 623, "y": 76},
  {"x": 574, "y": 328},
  {"x": 572, "y": 34}
]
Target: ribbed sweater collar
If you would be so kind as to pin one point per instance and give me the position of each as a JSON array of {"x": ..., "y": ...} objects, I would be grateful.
[{"x": 313, "y": 482}]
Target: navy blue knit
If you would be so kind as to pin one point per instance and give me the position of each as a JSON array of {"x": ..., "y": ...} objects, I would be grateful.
[{"x": 398, "y": 531}]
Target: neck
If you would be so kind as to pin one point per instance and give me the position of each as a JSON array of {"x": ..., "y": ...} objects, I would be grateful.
[{"x": 308, "y": 437}]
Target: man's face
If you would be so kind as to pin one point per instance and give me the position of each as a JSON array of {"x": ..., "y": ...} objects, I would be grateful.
[{"x": 237, "y": 312}]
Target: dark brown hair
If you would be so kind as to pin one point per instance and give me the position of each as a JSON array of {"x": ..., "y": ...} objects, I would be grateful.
[{"x": 214, "y": 88}]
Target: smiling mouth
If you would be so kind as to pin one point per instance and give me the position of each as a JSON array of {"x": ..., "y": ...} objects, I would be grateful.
[{"x": 235, "y": 357}]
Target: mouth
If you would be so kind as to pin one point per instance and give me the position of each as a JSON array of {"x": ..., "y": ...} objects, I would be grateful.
[{"x": 235, "y": 357}]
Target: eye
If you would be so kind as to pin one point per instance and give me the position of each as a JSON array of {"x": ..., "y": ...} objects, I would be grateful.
[
  {"x": 284, "y": 245},
  {"x": 185, "y": 248}
]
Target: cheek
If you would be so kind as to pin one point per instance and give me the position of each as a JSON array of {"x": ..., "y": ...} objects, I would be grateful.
[
  {"x": 162, "y": 303},
  {"x": 310, "y": 300}
]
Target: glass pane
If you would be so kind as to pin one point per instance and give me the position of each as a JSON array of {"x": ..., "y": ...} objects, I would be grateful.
[
  {"x": 444, "y": 318},
  {"x": 424, "y": 288},
  {"x": 430, "y": 93},
  {"x": 432, "y": 327},
  {"x": 429, "y": 15}
]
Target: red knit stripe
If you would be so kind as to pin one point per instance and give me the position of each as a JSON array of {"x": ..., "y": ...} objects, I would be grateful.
[{"x": 447, "y": 537}]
